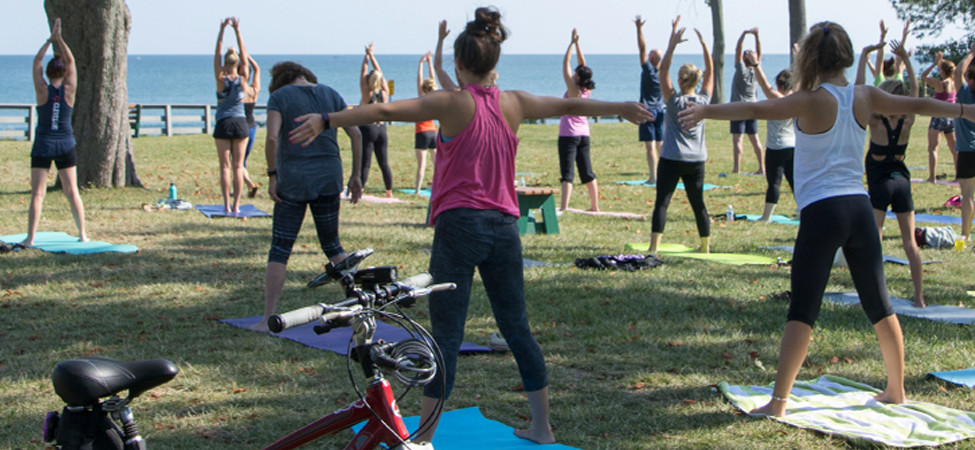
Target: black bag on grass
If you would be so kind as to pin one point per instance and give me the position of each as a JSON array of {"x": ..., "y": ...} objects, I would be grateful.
[{"x": 629, "y": 263}]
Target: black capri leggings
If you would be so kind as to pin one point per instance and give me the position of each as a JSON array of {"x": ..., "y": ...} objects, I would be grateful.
[
  {"x": 778, "y": 163},
  {"x": 824, "y": 226},
  {"x": 374, "y": 140},
  {"x": 692, "y": 174}
]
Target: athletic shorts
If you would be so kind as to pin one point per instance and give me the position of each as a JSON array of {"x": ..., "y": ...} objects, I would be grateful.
[
  {"x": 966, "y": 165},
  {"x": 231, "y": 128},
  {"x": 425, "y": 140},
  {"x": 653, "y": 130},
  {"x": 63, "y": 161},
  {"x": 893, "y": 191},
  {"x": 942, "y": 124},
  {"x": 749, "y": 126}
]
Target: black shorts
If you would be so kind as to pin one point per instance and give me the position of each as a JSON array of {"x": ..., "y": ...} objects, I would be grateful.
[
  {"x": 893, "y": 191},
  {"x": 425, "y": 140},
  {"x": 944, "y": 125},
  {"x": 575, "y": 149},
  {"x": 966, "y": 165},
  {"x": 63, "y": 161},
  {"x": 749, "y": 126},
  {"x": 232, "y": 128}
]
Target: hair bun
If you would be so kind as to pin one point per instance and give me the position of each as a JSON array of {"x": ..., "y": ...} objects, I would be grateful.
[
  {"x": 487, "y": 22},
  {"x": 231, "y": 51}
]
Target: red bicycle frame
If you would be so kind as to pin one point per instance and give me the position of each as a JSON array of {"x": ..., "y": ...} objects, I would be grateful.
[{"x": 379, "y": 396}]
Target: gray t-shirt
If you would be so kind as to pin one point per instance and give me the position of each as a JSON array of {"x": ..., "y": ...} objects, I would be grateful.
[
  {"x": 744, "y": 88},
  {"x": 680, "y": 145},
  {"x": 780, "y": 134},
  {"x": 306, "y": 173}
]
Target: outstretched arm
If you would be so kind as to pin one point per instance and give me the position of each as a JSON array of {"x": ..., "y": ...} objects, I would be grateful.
[
  {"x": 244, "y": 59},
  {"x": 862, "y": 66},
  {"x": 740, "y": 46},
  {"x": 419, "y": 76},
  {"x": 217, "y": 65},
  {"x": 256, "y": 79},
  {"x": 363, "y": 84},
  {"x": 676, "y": 37},
  {"x": 442, "y": 76},
  {"x": 878, "y": 67},
  {"x": 70, "y": 81},
  {"x": 897, "y": 48},
  {"x": 767, "y": 88},
  {"x": 962, "y": 68},
  {"x": 273, "y": 127},
  {"x": 707, "y": 80},
  {"x": 884, "y": 103},
  {"x": 37, "y": 71},
  {"x": 641, "y": 44},
  {"x": 570, "y": 84},
  {"x": 538, "y": 107},
  {"x": 758, "y": 44},
  {"x": 355, "y": 180}
]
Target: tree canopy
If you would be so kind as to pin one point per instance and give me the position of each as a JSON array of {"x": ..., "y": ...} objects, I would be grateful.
[{"x": 929, "y": 19}]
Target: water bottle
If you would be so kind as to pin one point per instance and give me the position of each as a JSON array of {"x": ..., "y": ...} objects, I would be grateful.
[
  {"x": 729, "y": 215},
  {"x": 172, "y": 190}
]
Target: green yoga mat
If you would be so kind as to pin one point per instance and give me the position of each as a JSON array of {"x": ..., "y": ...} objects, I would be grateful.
[
  {"x": 841, "y": 407},
  {"x": 683, "y": 251}
]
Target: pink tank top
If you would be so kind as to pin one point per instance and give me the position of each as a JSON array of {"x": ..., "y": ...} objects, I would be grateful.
[
  {"x": 476, "y": 168},
  {"x": 573, "y": 126},
  {"x": 946, "y": 96}
]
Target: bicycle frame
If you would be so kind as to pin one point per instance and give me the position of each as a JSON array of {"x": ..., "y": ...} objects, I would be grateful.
[{"x": 379, "y": 394}]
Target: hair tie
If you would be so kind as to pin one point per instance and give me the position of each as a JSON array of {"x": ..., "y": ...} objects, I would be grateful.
[{"x": 825, "y": 29}]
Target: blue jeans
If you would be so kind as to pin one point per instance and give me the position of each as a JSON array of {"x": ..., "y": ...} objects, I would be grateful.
[
  {"x": 488, "y": 240},
  {"x": 288, "y": 217}
]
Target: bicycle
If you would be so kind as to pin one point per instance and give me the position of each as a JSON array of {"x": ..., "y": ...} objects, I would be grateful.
[
  {"x": 87, "y": 422},
  {"x": 371, "y": 292}
]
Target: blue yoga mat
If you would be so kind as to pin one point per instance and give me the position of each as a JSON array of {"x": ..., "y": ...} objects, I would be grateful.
[
  {"x": 338, "y": 340},
  {"x": 707, "y": 187},
  {"x": 774, "y": 218},
  {"x": 937, "y": 313},
  {"x": 246, "y": 211},
  {"x": 425, "y": 192},
  {"x": 963, "y": 377},
  {"x": 468, "y": 429},
  {"x": 932, "y": 218},
  {"x": 59, "y": 242}
]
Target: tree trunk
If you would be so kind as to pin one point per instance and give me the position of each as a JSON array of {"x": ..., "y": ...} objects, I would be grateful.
[
  {"x": 97, "y": 31},
  {"x": 717, "y": 53},
  {"x": 797, "y": 24}
]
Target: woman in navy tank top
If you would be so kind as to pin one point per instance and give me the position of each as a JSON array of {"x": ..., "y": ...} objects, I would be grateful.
[{"x": 54, "y": 140}]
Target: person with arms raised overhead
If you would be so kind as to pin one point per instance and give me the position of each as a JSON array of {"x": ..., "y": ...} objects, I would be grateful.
[{"x": 574, "y": 130}]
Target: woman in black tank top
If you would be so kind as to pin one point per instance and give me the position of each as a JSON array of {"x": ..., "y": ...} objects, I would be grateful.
[
  {"x": 374, "y": 89},
  {"x": 888, "y": 179}
]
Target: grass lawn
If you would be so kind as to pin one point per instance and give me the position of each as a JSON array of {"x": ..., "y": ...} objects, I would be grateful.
[{"x": 633, "y": 358}]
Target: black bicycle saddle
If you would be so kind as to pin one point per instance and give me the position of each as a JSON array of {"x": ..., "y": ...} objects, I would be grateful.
[{"x": 81, "y": 382}]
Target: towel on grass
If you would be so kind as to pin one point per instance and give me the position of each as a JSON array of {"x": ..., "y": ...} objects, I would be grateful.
[
  {"x": 887, "y": 258},
  {"x": 938, "y": 313},
  {"x": 246, "y": 211},
  {"x": 425, "y": 192},
  {"x": 337, "y": 340},
  {"x": 963, "y": 377},
  {"x": 59, "y": 242},
  {"x": 684, "y": 251},
  {"x": 468, "y": 429},
  {"x": 841, "y": 407},
  {"x": 622, "y": 215},
  {"x": 707, "y": 187}
]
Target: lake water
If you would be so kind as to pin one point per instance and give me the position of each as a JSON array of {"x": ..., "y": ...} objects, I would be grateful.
[{"x": 188, "y": 79}]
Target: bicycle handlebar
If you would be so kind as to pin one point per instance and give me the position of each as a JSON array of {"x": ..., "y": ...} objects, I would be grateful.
[{"x": 415, "y": 286}]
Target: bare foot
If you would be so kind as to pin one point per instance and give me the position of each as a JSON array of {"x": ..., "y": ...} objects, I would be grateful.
[
  {"x": 650, "y": 181},
  {"x": 389, "y": 194},
  {"x": 27, "y": 242},
  {"x": 765, "y": 219},
  {"x": 703, "y": 250},
  {"x": 260, "y": 326},
  {"x": 593, "y": 210},
  {"x": 83, "y": 238},
  {"x": 929, "y": 180},
  {"x": 919, "y": 303},
  {"x": 539, "y": 436},
  {"x": 773, "y": 408},
  {"x": 896, "y": 396}
]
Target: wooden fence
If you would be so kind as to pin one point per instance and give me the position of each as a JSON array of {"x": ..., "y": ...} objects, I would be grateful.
[{"x": 18, "y": 121}]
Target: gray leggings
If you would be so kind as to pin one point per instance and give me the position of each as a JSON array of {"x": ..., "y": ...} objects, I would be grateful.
[{"x": 488, "y": 240}]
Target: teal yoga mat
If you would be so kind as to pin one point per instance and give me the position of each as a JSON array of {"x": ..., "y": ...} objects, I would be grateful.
[
  {"x": 707, "y": 187},
  {"x": 932, "y": 218},
  {"x": 59, "y": 242},
  {"x": 468, "y": 429},
  {"x": 425, "y": 192},
  {"x": 963, "y": 377},
  {"x": 774, "y": 218},
  {"x": 841, "y": 407}
]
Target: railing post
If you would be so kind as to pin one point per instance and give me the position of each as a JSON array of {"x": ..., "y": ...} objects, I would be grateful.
[
  {"x": 168, "y": 118},
  {"x": 31, "y": 123},
  {"x": 207, "y": 126}
]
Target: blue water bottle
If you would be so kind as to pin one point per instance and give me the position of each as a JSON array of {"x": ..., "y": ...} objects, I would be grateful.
[{"x": 172, "y": 190}]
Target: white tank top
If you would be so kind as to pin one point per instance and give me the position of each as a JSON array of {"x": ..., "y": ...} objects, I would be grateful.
[{"x": 830, "y": 164}]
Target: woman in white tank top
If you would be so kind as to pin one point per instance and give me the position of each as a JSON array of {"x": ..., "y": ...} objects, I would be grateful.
[{"x": 835, "y": 209}]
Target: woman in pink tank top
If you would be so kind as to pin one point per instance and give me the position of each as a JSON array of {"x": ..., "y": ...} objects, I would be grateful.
[
  {"x": 944, "y": 89},
  {"x": 473, "y": 206},
  {"x": 574, "y": 130}
]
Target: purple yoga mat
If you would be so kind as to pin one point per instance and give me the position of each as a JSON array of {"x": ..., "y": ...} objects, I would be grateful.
[{"x": 338, "y": 340}]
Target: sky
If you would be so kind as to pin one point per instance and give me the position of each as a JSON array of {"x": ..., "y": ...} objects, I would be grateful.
[{"x": 410, "y": 26}]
